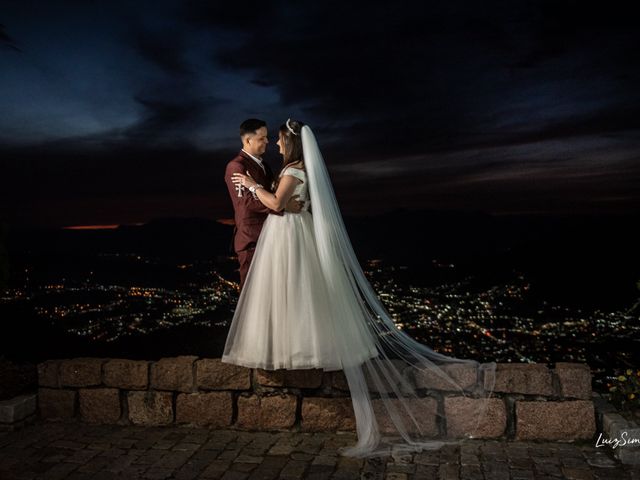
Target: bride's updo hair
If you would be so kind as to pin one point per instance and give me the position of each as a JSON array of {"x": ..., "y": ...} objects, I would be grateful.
[{"x": 291, "y": 142}]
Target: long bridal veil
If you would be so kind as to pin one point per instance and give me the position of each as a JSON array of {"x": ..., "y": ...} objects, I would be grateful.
[{"x": 408, "y": 397}]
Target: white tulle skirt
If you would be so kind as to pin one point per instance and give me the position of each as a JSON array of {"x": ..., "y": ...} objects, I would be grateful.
[{"x": 284, "y": 314}]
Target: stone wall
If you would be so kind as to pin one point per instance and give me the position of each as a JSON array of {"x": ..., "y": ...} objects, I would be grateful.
[{"x": 530, "y": 401}]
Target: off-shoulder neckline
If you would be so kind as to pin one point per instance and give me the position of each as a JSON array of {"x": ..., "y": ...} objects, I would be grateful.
[
  {"x": 291, "y": 166},
  {"x": 294, "y": 168}
]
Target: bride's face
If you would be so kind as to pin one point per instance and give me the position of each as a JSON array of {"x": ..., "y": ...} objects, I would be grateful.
[{"x": 280, "y": 144}]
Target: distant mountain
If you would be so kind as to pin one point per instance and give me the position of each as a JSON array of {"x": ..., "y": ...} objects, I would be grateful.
[
  {"x": 586, "y": 258},
  {"x": 179, "y": 238}
]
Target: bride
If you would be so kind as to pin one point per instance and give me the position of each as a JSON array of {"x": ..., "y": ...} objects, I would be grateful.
[{"x": 306, "y": 304}]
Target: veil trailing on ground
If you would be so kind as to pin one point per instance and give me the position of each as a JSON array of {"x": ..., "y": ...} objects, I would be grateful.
[{"x": 407, "y": 397}]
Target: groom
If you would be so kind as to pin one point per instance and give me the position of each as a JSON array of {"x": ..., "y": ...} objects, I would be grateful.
[{"x": 249, "y": 212}]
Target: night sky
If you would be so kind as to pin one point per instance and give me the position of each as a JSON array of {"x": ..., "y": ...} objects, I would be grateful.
[{"x": 121, "y": 112}]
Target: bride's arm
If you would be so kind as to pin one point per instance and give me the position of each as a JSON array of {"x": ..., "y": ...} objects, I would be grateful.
[
  {"x": 275, "y": 201},
  {"x": 242, "y": 200}
]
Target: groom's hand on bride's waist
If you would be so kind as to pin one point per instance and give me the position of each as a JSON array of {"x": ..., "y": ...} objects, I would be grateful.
[{"x": 294, "y": 205}]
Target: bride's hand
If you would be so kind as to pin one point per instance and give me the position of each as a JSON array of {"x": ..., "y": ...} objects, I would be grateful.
[
  {"x": 244, "y": 180},
  {"x": 294, "y": 205}
]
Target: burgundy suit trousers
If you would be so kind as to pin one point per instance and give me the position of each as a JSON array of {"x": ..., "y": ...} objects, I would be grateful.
[{"x": 244, "y": 258}]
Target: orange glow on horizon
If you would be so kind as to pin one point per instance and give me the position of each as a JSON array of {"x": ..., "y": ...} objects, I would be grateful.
[
  {"x": 223, "y": 221},
  {"x": 91, "y": 227},
  {"x": 96, "y": 227}
]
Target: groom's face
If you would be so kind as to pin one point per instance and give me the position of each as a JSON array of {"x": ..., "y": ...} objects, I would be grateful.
[{"x": 256, "y": 144}]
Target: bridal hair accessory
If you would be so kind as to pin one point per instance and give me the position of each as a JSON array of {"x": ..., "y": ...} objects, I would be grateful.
[{"x": 289, "y": 127}]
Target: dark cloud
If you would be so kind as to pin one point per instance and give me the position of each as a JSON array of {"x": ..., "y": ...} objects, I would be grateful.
[
  {"x": 6, "y": 40},
  {"x": 441, "y": 75},
  {"x": 164, "y": 48},
  {"x": 167, "y": 121},
  {"x": 525, "y": 105},
  {"x": 249, "y": 15}
]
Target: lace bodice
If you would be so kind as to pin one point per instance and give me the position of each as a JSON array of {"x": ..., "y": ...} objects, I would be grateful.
[{"x": 301, "y": 189}]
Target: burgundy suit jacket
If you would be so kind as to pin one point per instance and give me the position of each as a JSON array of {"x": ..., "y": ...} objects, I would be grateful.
[{"x": 249, "y": 212}]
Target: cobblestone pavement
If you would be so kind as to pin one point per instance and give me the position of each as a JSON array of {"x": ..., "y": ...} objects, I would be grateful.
[{"x": 73, "y": 450}]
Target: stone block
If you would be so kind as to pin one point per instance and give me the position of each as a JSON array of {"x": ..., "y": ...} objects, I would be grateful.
[
  {"x": 212, "y": 374},
  {"x": 569, "y": 420},
  {"x": 269, "y": 378},
  {"x": 613, "y": 422},
  {"x": 475, "y": 417},
  {"x": 424, "y": 410},
  {"x": 339, "y": 380},
  {"x": 454, "y": 377},
  {"x": 527, "y": 378},
  {"x": 575, "y": 380},
  {"x": 621, "y": 436},
  {"x": 18, "y": 408},
  {"x": 150, "y": 407},
  {"x": 401, "y": 378},
  {"x": 305, "y": 378},
  {"x": 213, "y": 409},
  {"x": 81, "y": 372},
  {"x": 126, "y": 374},
  {"x": 628, "y": 450},
  {"x": 321, "y": 414},
  {"x": 267, "y": 413},
  {"x": 174, "y": 373},
  {"x": 56, "y": 403},
  {"x": 48, "y": 374},
  {"x": 100, "y": 405},
  {"x": 327, "y": 379}
]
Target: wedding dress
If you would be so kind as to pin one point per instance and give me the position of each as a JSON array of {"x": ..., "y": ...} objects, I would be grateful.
[
  {"x": 284, "y": 311},
  {"x": 306, "y": 303}
]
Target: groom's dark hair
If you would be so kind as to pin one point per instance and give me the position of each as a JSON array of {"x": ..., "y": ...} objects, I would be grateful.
[{"x": 251, "y": 125}]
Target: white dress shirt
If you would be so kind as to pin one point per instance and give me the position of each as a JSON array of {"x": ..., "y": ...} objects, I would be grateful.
[{"x": 257, "y": 160}]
